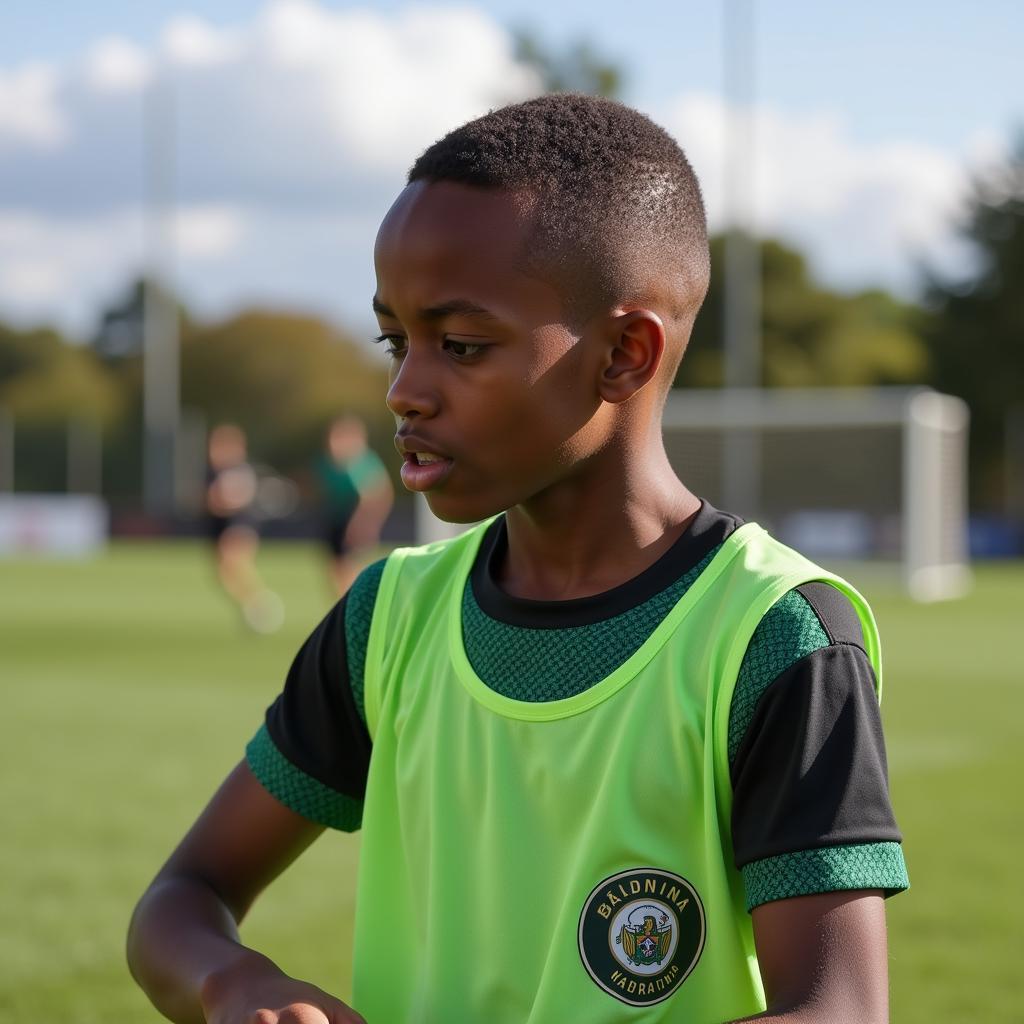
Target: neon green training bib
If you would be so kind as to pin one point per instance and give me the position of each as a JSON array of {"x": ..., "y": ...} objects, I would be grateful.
[{"x": 568, "y": 861}]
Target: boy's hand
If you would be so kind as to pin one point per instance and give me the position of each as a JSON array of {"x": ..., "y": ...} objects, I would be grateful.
[
  {"x": 261, "y": 994},
  {"x": 183, "y": 943}
]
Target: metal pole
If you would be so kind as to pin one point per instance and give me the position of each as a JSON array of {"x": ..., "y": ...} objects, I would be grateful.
[
  {"x": 160, "y": 316},
  {"x": 741, "y": 354},
  {"x": 85, "y": 457},
  {"x": 6, "y": 452},
  {"x": 1015, "y": 463},
  {"x": 742, "y": 264},
  {"x": 190, "y": 464}
]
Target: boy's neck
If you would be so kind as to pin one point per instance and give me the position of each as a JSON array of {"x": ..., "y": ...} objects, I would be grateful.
[{"x": 591, "y": 537}]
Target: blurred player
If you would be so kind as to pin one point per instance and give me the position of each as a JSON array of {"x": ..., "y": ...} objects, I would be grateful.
[
  {"x": 231, "y": 492},
  {"x": 356, "y": 496}
]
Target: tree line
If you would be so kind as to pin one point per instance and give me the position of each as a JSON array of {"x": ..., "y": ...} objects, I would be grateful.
[{"x": 280, "y": 375}]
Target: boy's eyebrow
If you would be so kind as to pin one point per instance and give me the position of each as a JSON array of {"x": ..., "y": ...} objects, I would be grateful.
[{"x": 452, "y": 307}]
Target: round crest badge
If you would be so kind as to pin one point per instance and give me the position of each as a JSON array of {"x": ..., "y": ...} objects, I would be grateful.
[{"x": 641, "y": 933}]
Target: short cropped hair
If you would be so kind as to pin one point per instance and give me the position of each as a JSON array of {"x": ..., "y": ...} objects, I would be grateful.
[{"x": 615, "y": 200}]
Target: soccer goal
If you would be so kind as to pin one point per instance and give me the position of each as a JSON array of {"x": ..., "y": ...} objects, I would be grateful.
[{"x": 840, "y": 474}]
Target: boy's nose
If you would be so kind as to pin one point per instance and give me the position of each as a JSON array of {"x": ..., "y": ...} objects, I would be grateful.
[{"x": 411, "y": 393}]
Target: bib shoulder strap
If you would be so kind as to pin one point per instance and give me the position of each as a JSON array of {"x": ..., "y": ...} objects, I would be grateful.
[
  {"x": 765, "y": 571},
  {"x": 414, "y": 571}
]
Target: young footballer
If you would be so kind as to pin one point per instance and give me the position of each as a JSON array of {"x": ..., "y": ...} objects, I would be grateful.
[
  {"x": 355, "y": 495},
  {"x": 615, "y": 754}
]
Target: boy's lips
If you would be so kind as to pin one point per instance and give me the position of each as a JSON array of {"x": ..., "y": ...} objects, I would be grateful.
[{"x": 422, "y": 468}]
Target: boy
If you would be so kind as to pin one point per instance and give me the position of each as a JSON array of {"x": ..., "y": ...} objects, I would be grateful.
[
  {"x": 231, "y": 488},
  {"x": 616, "y": 755}
]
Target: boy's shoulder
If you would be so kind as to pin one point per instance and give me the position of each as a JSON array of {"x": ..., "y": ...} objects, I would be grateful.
[
  {"x": 362, "y": 595},
  {"x": 423, "y": 567}
]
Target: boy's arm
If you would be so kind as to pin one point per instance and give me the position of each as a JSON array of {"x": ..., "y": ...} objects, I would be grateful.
[
  {"x": 823, "y": 959},
  {"x": 809, "y": 773},
  {"x": 375, "y": 500},
  {"x": 183, "y": 943}
]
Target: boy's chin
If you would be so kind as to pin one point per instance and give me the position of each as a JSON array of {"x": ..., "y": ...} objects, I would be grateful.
[{"x": 459, "y": 513}]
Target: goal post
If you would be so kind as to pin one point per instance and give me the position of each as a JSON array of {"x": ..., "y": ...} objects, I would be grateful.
[
  {"x": 873, "y": 473},
  {"x": 935, "y": 518}
]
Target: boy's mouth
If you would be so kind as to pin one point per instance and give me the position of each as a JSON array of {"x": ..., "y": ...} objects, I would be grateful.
[{"x": 423, "y": 470}]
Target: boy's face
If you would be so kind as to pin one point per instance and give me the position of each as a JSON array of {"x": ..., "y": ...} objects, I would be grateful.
[{"x": 494, "y": 395}]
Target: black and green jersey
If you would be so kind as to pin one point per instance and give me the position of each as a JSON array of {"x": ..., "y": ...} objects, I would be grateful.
[
  {"x": 810, "y": 811},
  {"x": 342, "y": 483}
]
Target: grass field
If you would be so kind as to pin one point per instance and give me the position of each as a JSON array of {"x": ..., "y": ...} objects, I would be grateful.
[{"x": 130, "y": 690}]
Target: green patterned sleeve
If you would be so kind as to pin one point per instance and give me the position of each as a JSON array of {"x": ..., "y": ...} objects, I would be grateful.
[
  {"x": 322, "y": 731},
  {"x": 829, "y": 869},
  {"x": 358, "y": 616},
  {"x": 790, "y": 632},
  {"x": 297, "y": 790}
]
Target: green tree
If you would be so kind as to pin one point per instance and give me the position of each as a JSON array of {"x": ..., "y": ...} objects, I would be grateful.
[
  {"x": 46, "y": 385},
  {"x": 976, "y": 330},
  {"x": 282, "y": 377},
  {"x": 810, "y": 335},
  {"x": 44, "y": 380}
]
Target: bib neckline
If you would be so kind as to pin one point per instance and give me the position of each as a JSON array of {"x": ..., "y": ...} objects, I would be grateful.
[{"x": 544, "y": 711}]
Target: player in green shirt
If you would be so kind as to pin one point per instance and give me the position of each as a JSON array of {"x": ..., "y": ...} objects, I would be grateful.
[
  {"x": 355, "y": 496},
  {"x": 614, "y": 753}
]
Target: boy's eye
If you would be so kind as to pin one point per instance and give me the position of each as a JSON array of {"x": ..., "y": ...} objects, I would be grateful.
[
  {"x": 394, "y": 343},
  {"x": 462, "y": 349}
]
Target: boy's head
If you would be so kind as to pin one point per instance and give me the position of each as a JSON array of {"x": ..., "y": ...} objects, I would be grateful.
[
  {"x": 537, "y": 280},
  {"x": 226, "y": 446},
  {"x": 615, "y": 208},
  {"x": 346, "y": 437}
]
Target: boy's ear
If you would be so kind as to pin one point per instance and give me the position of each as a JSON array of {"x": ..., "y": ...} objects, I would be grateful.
[{"x": 635, "y": 350}]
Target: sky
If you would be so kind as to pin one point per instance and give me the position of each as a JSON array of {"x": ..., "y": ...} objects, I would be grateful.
[{"x": 289, "y": 125}]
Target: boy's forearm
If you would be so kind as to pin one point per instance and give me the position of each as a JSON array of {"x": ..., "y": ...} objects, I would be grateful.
[{"x": 181, "y": 936}]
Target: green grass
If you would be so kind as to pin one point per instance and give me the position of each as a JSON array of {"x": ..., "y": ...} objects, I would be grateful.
[{"x": 130, "y": 690}]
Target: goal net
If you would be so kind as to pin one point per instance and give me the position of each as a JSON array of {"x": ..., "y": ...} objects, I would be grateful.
[{"x": 839, "y": 474}]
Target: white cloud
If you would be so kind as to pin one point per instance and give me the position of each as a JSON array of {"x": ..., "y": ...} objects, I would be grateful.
[
  {"x": 865, "y": 211},
  {"x": 208, "y": 232},
  {"x": 52, "y": 264},
  {"x": 116, "y": 65},
  {"x": 394, "y": 91},
  {"x": 29, "y": 113},
  {"x": 33, "y": 281},
  {"x": 281, "y": 133},
  {"x": 187, "y": 39},
  {"x": 303, "y": 105}
]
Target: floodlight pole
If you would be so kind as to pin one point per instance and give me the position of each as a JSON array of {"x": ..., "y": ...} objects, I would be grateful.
[
  {"x": 161, "y": 371},
  {"x": 6, "y": 451},
  {"x": 85, "y": 457},
  {"x": 741, "y": 356},
  {"x": 1014, "y": 462}
]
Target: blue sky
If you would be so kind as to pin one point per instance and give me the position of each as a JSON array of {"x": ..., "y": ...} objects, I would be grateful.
[{"x": 871, "y": 120}]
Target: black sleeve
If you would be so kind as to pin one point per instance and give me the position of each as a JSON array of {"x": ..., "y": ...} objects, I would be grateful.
[
  {"x": 314, "y": 722},
  {"x": 811, "y": 769}
]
